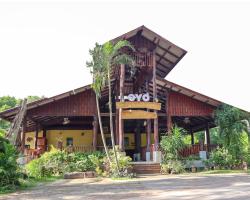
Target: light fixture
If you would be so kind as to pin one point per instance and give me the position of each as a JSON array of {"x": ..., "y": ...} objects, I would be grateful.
[
  {"x": 66, "y": 121},
  {"x": 186, "y": 120}
]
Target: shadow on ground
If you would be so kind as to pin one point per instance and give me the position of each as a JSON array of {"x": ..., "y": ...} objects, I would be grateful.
[{"x": 208, "y": 187}]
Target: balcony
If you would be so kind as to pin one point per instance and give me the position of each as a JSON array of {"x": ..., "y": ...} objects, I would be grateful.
[{"x": 143, "y": 59}]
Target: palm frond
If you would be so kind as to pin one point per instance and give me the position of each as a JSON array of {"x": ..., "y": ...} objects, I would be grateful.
[
  {"x": 119, "y": 45},
  {"x": 123, "y": 59}
]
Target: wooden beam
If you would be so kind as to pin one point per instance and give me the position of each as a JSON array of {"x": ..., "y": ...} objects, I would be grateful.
[
  {"x": 208, "y": 137},
  {"x": 138, "y": 114},
  {"x": 36, "y": 135},
  {"x": 139, "y": 104},
  {"x": 156, "y": 131},
  {"x": 148, "y": 136},
  {"x": 192, "y": 136}
]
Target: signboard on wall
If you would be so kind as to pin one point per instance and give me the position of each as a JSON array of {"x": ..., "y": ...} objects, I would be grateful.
[{"x": 137, "y": 97}]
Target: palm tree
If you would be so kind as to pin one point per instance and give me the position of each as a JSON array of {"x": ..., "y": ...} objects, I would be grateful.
[
  {"x": 112, "y": 56},
  {"x": 232, "y": 123},
  {"x": 99, "y": 81}
]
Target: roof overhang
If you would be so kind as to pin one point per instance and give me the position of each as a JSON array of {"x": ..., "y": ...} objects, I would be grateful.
[
  {"x": 13, "y": 111},
  {"x": 167, "y": 53}
]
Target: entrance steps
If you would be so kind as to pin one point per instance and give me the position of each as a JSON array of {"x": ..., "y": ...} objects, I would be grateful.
[{"x": 146, "y": 167}]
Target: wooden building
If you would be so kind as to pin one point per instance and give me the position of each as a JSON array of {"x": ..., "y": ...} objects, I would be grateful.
[{"x": 145, "y": 105}]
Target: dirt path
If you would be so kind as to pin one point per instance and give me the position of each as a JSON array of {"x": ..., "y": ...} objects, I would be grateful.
[{"x": 205, "y": 187}]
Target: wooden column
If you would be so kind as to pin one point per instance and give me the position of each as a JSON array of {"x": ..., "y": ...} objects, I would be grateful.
[
  {"x": 148, "y": 136},
  {"x": 95, "y": 131},
  {"x": 24, "y": 125},
  {"x": 156, "y": 133},
  {"x": 138, "y": 137},
  {"x": 169, "y": 120},
  {"x": 121, "y": 131},
  {"x": 36, "y": 135},
  {"x": 192, "y": 136},
  {"x": 207, "y": 137}
]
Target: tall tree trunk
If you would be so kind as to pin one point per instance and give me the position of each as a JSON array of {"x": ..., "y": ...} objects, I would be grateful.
[
  {"x": 101, "y": 129},
  {"x": 111, "y": 122}
]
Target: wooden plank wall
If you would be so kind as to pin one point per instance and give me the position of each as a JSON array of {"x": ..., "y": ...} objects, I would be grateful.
[
  {"x": 82, "y": 104},
  {"x": 182, "y": 105}
]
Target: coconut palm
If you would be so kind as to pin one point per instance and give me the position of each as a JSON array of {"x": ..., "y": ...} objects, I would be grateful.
[
  {"x": 112, "y": 57},
  {"x": 99, "y": 80}
]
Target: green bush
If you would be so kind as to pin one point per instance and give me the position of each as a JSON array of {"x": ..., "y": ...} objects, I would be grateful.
[
  {"x": 49, "y": 164},
  {"x": 56, "y": 162},
  {"x": 171, "y": 145},
  {"x": 221, "y": 158},
  {"x": 125, "y": 167},
  {"x": 172, "y": 167},
  {"x": 9, "y": 170}
]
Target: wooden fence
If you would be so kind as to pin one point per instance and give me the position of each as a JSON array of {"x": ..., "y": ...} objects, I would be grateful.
[{"x": 196, "y": 148}]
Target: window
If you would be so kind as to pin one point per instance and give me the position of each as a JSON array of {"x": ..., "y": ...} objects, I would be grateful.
[{"x": 69, "y": 141}]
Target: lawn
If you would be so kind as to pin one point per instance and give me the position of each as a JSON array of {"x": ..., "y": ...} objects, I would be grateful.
[
  {"x": 29, "y": 183},
  {"x": 224, "y": 171}
]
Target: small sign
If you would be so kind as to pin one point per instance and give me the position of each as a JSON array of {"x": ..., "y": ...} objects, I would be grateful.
[{"x": 137, "y": 97}]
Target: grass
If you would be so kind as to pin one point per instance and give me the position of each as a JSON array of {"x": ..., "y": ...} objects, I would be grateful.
[
  {"x": 224, "y": 171},
  {"x": 121, "y": 178},
  {"x": 29, "y": 183}
]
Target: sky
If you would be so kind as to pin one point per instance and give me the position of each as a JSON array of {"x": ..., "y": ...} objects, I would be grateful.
[{"x": 44, "y": 44}]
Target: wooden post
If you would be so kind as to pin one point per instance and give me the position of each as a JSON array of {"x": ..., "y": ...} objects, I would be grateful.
[
  {"x": 121, "y": 131},
  {"x": 148, "y": 136},
  {"x": 36, "y": 135},
  {"x": 169, "y": 119},
  {"x": 207, "y": 137},
  {"x": 95, "y": 131},
  {"x": 24, "y": 125},
  {"x": 138, "y": 137},
  {"x": 156, "y": 133},
  {"x": 192, "y": 136}
]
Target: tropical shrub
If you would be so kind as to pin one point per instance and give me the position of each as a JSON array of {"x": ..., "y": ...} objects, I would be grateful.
[
  {"x": 9, "y": 170},
  {"x": 56, "y": 162},
  {"x": 171, "y": 145},
  {"x": 51, "y": 163},
  {"x": 125, "y": 167},
  {"x": 221, "y": 158},
  {"x": 172, "y": 167}
]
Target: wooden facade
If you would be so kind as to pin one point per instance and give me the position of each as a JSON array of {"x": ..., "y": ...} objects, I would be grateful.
[{"x": 169, "y": 103}]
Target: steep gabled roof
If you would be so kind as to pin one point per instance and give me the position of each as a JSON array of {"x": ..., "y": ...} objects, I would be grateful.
[{"x": 167, "y": 53}]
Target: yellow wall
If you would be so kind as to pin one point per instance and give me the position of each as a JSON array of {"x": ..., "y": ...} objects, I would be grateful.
[
  {"x": 80, "y": 137},
  {"x": 31, "y": 135}
]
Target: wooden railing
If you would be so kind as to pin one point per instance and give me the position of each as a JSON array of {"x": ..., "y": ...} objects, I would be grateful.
[
  {"x": 196, "y": 148},
  {"x": 78, "y": 148},
  {"x": 143, "y": 59}
]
